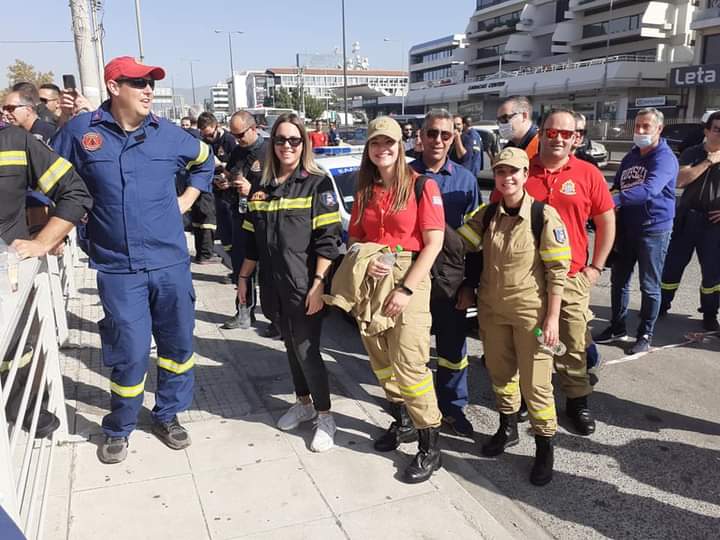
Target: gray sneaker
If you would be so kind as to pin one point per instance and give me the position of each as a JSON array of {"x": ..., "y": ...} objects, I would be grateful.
[
  {"x": 113, "y": 450},
  {"x": 172, "y": 434}
]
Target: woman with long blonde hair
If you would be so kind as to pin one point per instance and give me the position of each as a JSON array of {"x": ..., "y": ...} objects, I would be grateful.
[{"x": 389, "y": 211}]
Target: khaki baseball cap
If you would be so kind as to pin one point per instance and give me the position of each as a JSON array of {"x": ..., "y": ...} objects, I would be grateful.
[
  {"x": 512, "y": 157},
  {"x": 384, "y": 125}
]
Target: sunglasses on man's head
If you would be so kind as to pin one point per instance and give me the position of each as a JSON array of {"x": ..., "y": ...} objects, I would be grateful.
[
  {"x": 435, "y": 133},
  {"x": 138, "y": 83},
  {"x": 292, "y": 141},
  {"x": 552, "y": 133}
]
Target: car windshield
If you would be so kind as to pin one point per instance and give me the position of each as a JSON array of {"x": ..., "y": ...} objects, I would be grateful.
[{"x": 346, "y": 183}]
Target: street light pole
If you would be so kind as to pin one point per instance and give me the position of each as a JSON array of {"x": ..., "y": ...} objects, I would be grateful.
[
  {"x": 232, "y": 67},
  {"x": 192, "y": 76},
  {"x": 139, "y": 29},
  {"x": 345, "y": 98}
]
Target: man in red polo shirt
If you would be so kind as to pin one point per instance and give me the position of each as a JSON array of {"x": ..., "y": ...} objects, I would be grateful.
[
  {"x": 318, "y": 137},
  {"x": 578, "y": 191}
]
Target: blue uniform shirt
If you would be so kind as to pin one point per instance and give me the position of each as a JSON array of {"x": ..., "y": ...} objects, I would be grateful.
[
  {"x": 136, "y": 222},
  {"x": 459, "y": 189},
  {"x": 473, "y": 158}
]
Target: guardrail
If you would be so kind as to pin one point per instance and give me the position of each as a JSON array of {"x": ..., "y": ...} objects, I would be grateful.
[{"x": 33, "y": 325}]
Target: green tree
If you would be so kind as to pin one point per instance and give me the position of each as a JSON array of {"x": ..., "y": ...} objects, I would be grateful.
[
  {"x": 314, "y": 108},
  {"x": 284, "y": 99},
  {"x": 23, "y": 72}
]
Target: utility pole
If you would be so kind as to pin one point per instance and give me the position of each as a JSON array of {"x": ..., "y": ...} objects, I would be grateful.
[
  {"x": 98, "y": 31},
  {"x": 345, "y": 99},
  {"x": 87, "y": 60},
  {"x": 139, "y": 30}
]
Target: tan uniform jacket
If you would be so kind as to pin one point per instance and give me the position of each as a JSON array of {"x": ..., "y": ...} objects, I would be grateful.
[
  {"x": 516, "y": 274},
  {"x": 354, "y": 291}
]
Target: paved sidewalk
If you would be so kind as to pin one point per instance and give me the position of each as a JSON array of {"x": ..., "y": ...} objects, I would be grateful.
[{"x": 242, "y": 477}]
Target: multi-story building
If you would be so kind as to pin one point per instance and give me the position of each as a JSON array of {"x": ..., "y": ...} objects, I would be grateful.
[
  {"x": 220, "y": 100},
  {"x": 605, "y": 58},
  {"x": 702, "y": 79}
]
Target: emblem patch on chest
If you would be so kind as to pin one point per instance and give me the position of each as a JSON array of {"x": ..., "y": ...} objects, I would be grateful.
[
  {"x": 259, "y": 196},
  {"x": 92, "y": 141},
  {"x": 256, "y": 167},
  {"x": 568, "y": 188}
]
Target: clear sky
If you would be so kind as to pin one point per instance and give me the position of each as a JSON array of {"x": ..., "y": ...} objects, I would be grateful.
[{"x": 275, "y": 30}]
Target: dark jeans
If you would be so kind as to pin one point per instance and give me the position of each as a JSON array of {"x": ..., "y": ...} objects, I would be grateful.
[
  {"x": 223, "y": 212},
  {"x": 648, "y": 250},
  {"x": 302, "y": 341}
]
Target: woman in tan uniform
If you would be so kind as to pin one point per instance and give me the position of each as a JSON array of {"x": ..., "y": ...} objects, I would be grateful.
[{"x": 521, "y": 286}]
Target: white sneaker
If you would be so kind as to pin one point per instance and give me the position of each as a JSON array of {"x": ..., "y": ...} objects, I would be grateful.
[
  {"x": 297, "y": 414},
  {"x": 325, "y": 428}
]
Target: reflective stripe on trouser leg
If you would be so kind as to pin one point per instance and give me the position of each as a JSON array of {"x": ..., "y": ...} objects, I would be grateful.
[
  {"x": 377, "y": 349},
  {"x": 172, "y": 305},
  {"x": 574, "y": 317},
  {"x": 501, "y": 363},
  {"x": 125, "y": 338},
  {"x": 680, "y": 251},
  {"x": 449, "y": 326},
  {"x": 709, "y": 259},
  {"x": 535, "y": 369}
]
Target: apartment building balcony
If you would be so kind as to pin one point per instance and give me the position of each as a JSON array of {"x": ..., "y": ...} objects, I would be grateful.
[
  {"x": 485, "y": 29},
  {"x": 485, "y": 7},
  {"x": 705, "y": 18}
]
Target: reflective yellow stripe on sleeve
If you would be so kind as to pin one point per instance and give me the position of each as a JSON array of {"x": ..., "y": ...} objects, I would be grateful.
[
  {"x": 709, "y": 290},
  {"x": 417, "y": 390},
  {"x": 54, "y": 173},
  {"x": 176, "y": 367},
  {"x": 127, "y": 391},
  {"x": 323, "y": 220},
  {"x": 248, "y": 226},
  {"x": 471, "y": 236},
  {"x": 203, "y": 154},
  {"x": 384, "y": 374},
  {"x": 555, "y": 254},
  {"x": 206, "y": 226},
  {"x": 455, "y": 366},
  {"x": 13, "y": 157},
  {"x": 299, "y": 203},
  {"x": 471, "y": 213}
]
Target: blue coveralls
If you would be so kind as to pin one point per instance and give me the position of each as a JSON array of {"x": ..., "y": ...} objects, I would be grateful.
[
  {"x": 461, "y": 199},
  {"x": 473, "y": 158},
  {"x": 137, "y": 244}
]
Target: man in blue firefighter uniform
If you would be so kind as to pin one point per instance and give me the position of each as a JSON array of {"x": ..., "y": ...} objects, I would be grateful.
[
  {"x": 461, "y": 199},
  {"x": 129, "y": 158}
]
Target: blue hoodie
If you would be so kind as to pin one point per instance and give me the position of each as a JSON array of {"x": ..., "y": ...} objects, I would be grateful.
[{"x": 647, "y": 190}]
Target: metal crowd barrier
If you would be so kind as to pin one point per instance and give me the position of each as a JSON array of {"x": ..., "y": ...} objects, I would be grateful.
[{"x": 33, "y": 326}]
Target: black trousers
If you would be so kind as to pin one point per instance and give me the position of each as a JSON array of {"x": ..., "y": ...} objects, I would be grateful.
[
  {"x": 301, "y": 334},
  {"x": 204, "y": 225}
]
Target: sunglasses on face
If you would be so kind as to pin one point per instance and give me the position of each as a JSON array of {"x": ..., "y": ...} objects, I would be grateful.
[
  {"x": 11, "y": 108},
  {"x": 435, "y": 133},
  {"x": 138, "y": 83},
  {"x": 565, "y": 134},
  {"x": 241, "y": 134},
  {"x": 292, "y": 141},
  {"x": 47, "y": 100},
  {"x": 505, "y": 118}
]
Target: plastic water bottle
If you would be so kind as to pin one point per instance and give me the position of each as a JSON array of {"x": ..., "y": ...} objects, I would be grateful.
[
  {"x": 558, "y": 350},
  {"x": 388, "y": 259}
]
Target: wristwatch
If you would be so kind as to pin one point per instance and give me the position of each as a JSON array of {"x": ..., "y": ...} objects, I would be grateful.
[
  {"x": 407, "y": 290},
  {"x": 321, "y": 278}
]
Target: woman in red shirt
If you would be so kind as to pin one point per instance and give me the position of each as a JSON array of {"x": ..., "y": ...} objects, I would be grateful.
[{"x": 388, "y": 212}]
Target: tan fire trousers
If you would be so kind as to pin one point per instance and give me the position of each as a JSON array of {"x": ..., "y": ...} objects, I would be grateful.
[
  {"x": 575, "y": 315},
  {"x": 399, "y": 355}
]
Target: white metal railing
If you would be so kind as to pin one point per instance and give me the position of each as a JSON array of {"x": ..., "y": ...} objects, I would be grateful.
[
  {"x": 547, "y": 68},
  {"x": 33, "y": 324}
]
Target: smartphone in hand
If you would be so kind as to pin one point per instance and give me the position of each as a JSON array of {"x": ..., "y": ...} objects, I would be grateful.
[{"x": 69, "y": 82}]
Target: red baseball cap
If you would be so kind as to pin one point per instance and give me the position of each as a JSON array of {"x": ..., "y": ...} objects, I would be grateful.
[{"x": 127, "y": 66}]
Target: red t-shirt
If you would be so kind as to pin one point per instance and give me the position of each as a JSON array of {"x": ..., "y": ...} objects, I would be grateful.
[
  {"x": 403, "y": 228},
  {"x": 318, "y": 138},
  {"x": 578, "y": 192}
]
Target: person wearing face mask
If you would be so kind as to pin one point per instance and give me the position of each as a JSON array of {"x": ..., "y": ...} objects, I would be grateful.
[
  {"x": 645, "y": 194},
  {"x": 294, "y": 230},
  {"x": 526, "y": 260},
  {"x": 514, "y": 118}
]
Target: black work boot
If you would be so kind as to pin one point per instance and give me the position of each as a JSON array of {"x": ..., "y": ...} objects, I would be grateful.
[
  {"x": 400, "y": 431},
  {"x": 541, "y": 473},
  {"x": 427, "y": 460},
  {"x": 578, "y": 411},
  {"x": 522, "y": 414},
  {"x": 505, "y": 437}
]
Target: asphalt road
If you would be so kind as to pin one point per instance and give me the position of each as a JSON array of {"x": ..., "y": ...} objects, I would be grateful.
[{"x": 651, "y": 470}]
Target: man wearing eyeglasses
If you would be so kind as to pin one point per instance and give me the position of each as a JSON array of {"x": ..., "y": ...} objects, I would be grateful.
[
  {"x": 578, "y": 191},
  {"x": 49, "y": 95},
  {"x": 19, "y": 110},
  {"x": 644, "y": 191},
  {"x": 450, "y": 299},
  {"x": 515, "y": 123},
  {"x": 697, "y": 225},
  {"x": 129, "y": 159}
]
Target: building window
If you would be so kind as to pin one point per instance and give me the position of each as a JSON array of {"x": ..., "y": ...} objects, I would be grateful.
[
  {"x": 482, "y": 4},
  {"x": 489, "y": 52},
  {"x": 623, "y": 24},
  {"x": 711, "y": 49}
]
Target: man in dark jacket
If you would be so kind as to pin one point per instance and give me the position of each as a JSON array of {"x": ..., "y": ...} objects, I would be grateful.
[{"x": 645, "y": 184}]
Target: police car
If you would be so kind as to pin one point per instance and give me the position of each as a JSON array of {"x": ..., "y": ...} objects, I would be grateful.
[{"x": 341, "y": 163}]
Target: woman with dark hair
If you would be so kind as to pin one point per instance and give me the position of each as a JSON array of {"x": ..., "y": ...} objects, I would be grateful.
[
  {"x": 389, "y": 211},
  {"x": 294, "y": 227}
]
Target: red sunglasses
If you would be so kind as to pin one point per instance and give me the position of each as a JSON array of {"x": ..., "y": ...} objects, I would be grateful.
[{"x": 552, "y": 133}]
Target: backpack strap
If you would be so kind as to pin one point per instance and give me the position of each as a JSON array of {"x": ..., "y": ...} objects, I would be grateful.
[
  {"x": 537, "y": 220},
  {"x": 420, "y": 187},
  {"x": 488, "y": 215}
]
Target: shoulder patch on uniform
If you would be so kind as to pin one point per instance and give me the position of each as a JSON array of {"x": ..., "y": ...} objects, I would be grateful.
[
  {"x": 437, "y": 200},
  {"x": 256, "y": 167},
  {"x": 259, "y": 196},
  {"x": 328, "y": 198},
  {"x": 560, "y": 235},
  {"x": 568, "y": 188},
  {"x": 92, "y": 141}
]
